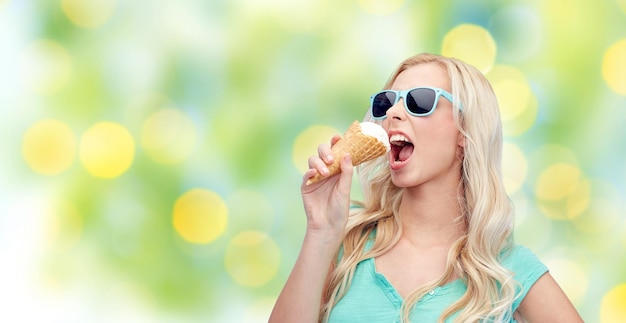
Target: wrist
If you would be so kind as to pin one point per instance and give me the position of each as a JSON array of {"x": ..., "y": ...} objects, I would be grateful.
[{"x": 329, "y": 239}]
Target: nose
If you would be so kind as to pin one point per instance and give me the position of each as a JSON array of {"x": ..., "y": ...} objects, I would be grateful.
[{"x": 397, "y": 111}]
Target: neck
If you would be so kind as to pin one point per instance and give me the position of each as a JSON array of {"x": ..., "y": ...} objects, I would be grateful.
[{"x": 431, "y": 217}]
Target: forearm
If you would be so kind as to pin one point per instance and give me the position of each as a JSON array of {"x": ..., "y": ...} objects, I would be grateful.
[{"x": 300, "y": 299}]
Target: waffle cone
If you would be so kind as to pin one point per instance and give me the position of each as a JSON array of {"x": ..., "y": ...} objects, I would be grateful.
[{"x": 361, "y": 148}]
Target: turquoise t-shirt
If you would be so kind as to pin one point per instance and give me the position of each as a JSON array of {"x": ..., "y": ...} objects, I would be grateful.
[{"x": 371, "y": 298}]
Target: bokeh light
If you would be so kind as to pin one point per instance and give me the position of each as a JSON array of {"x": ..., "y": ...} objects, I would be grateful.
[
  {"x": 614, "y": 67},
  {"x": 552, "y": 154},
  {"x": 49, "y": 147},
  {"x": 252, "y": 259},
  {"x": 153, "y": 151},
  {"x": 107, "y": 149},
  {"x": 200, "y": 216},
  {"x": 306, "y": 143},
  {"x": 88, "y": 13},
  {"x": 518, "y": 105},
  {"x": 578, "y": 199},
  {"x": 472, "y": 44},
  {"x": 168, "y": 136},
  {"x": 514, "y": 166},
  {"x": 562, "y": 191},
  {"x": 557, "y": 181},
  {"x": 613, "y": 308},
  {"x": 46, "y": 67}
]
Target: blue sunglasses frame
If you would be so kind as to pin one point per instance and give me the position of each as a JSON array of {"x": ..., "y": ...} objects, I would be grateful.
[{"x": 403, "y": 95}]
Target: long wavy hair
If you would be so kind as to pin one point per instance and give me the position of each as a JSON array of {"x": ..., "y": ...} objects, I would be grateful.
[{"x": 486, "y": 208}]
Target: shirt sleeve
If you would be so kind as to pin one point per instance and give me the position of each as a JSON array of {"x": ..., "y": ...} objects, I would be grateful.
[{"x": 527, "y": 269}]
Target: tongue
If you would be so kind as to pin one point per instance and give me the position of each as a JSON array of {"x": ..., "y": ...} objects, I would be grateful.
[{"x": 405, "y": 152}]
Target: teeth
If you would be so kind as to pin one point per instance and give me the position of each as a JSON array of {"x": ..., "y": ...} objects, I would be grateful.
[{"x": 399, "y": 140}]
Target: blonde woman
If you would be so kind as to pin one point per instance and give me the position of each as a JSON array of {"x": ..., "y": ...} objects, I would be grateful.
[{"x": 432, "y": 240}]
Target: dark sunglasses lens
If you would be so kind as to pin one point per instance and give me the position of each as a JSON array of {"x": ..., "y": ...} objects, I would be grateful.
[
  {"x": 421, "y": 101},
  {"x": 381, "y": 103}
]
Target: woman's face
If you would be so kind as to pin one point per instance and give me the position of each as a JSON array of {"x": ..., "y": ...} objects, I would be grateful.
[{"x": 423, "y": 149}]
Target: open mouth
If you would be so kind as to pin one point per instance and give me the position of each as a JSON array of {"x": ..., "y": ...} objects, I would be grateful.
[{"x": 401, "y": 148}]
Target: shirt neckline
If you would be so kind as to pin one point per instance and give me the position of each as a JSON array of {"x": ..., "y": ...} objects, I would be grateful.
[{"x": 393, "y": 294}]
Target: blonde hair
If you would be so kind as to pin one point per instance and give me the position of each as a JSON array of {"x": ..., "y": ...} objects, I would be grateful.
[{"x": 487, "y": 210}]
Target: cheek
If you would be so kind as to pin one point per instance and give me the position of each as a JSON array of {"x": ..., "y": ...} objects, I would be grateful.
[
  {"x": 442, "y": 133},
  {"x": 441, "y": 142}
]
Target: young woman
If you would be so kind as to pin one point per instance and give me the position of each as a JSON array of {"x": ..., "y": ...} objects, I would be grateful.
[{"x": 432, "y": 241}]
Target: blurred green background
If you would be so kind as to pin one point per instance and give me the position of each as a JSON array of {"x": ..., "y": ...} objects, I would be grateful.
[{"x": 152, "y": 151}]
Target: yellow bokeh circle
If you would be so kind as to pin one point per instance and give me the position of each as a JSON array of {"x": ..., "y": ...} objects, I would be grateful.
[
  {"x": 381, "y": 7},
  {"x": 107, "y": 150},
  {"x": 49, "y": 147},
  {"x": 578, "y": 199},
  {"x": 200, "y": 216},
  {"x": 472, "y": 44},
  {"x": 168, "y": 136},
  {"x": 511, "y": 88},
  {"x": 252, "y": 259},
  {"x": 571, "y": 206},
  {"x": 513, "y": 98},
  {"x": 613, "y": 306},
  {"x": 88, "y": 13},
  {"x": 306, "y": 143},
  {"x": 614, "y": 67},
  {"x": 45, "y": 67},
  {"x": 517, "y": 102},
  {"x": 563, "y": 192},
  {"x": 557, "y": 181},
  {"x": 514, "y": 167}
]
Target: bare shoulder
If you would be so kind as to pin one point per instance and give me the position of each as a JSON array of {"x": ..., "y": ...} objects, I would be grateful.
[{"x": 546, "y": 302}]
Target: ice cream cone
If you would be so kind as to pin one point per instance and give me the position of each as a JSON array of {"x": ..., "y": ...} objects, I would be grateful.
[{"x": 360, "y": 146}]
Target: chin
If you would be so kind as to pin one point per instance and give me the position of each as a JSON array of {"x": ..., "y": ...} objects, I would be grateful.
[{"x": 401, "y": 181}]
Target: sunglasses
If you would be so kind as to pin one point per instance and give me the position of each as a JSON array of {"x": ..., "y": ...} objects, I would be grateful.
[{"x": 418, "y": 101}]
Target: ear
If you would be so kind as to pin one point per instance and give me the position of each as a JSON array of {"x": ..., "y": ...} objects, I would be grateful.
[
  {"x": 460, "y": 141},
  {"x": 460, "y": 148}
]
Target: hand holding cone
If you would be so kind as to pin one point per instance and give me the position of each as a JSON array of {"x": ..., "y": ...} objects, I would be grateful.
[{"x": 363, "y": 141}]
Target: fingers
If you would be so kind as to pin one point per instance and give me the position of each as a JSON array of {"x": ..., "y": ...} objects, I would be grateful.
[
  {"x": 323, "y": 159},
  {"x": 343, "y": 166},
  {"x": 334, "y": 140},
  {"x": 308, "y": 175},
  {"x": 325, "y": 153},
  {"x": 318, "y": 165}
]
